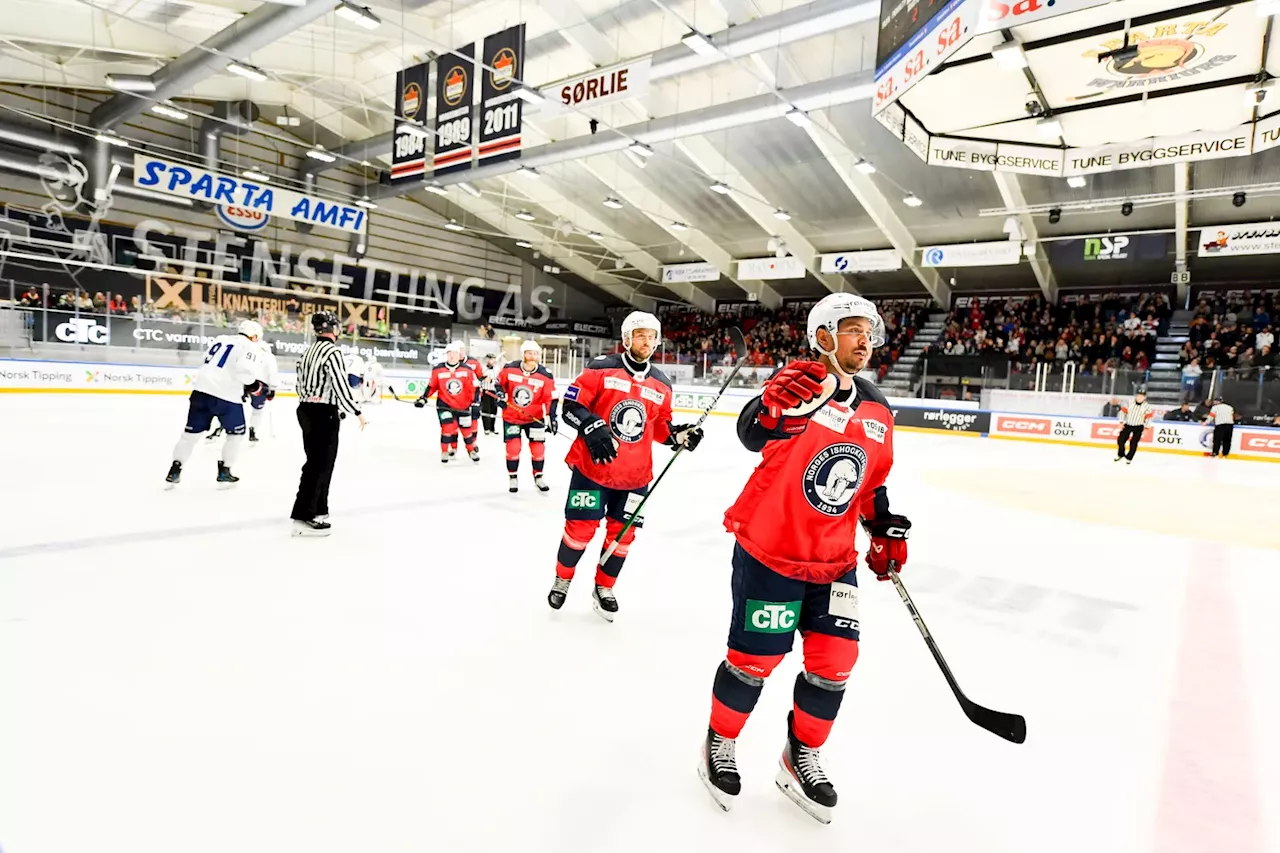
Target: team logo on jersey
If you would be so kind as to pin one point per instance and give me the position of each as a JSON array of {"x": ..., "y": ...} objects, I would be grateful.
[
  {"x": 832, "y": 478},
  {"x": 627, "y": 421},
  {"x": 453, "y": 386},
  {"x": 522, "y": 396}
]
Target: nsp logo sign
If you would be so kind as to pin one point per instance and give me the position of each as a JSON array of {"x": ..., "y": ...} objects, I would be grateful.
[
  {"x": 1260, "y": 442},
  {"x": 1106, "y": 248},
  {"x": 82, "y": 330},
  {"x": 1025, "y": 426}
]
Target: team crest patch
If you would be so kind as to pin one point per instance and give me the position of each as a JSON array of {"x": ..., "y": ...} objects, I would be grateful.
[
  {"x": 522, "y": 396},
  {"x": 453, "y": 386},
  {"x": 627, "y": 420},
  {"x": 832, "y": 478}
]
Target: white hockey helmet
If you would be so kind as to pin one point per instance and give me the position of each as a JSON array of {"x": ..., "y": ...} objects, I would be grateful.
[
  {"x": 640, "y": 320},
  {"x": 251, "y": 329},
  {"x": 526, "y": 346},
  {"x": 831, "y": 309},
  {"x": 454, "y": 348}
]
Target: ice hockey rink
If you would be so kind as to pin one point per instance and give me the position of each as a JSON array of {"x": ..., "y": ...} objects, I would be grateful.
[{"x": 178, "y": 674}]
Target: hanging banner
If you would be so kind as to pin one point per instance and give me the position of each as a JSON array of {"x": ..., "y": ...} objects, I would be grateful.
[
  {"x": 1254, "y": 238},
  {"x": 501, "y": 112},
  {"x": 962, "y": 153},
  {"x": 894, "y": 119},
  {"x": 251, "y": 198},
  {"x": 602, "y": 86},
  {"x": 997, "y": 254},
  {"x": 1109, "y": 249},
  {"x": 1266, "y": 134},
  {"x": 1118, "y": 156},
  {"x": 915, "y": 37},
  {"x": 878, "y": 260},
  {"x": 409, "y": 148},
  {"x": 686, "y": 273},
  {"x": 1003, "y": 14},
  {"x": 455, "y": 83},
  {"x": 762, "y": 269},
  {"x": 916, "y": 138}
]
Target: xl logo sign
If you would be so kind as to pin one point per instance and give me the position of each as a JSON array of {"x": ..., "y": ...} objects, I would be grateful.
[
  {"x": 1106, "y": 248},
  {"x": 81, "y": 330}
]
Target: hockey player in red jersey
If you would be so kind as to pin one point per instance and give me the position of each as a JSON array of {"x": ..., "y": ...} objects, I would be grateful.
[
  {"x": 454, "y": 384},
  {"x": 826, "y": 440},
  {"x": 620, "y": 405},
  {"x": 474, "y": 364},
  {"x": 526, "y": 395}
]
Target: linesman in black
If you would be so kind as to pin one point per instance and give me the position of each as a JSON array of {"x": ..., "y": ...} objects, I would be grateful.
[{"x": 324, "y": 399}]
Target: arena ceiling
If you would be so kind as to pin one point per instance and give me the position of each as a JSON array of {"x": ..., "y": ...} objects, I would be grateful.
[{"x": 713, "y": 115}]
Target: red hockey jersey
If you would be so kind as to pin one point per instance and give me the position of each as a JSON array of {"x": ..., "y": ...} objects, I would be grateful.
[
  {"x": 529, "y": 395},
  {"x": 799, "y": 512},
  {"x": 454, "y": 387},
  {"x": 637, "y": 409}
]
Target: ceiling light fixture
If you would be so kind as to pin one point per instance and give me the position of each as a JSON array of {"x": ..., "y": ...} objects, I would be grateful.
[
  {"x": 130, "y": 82},
  {"x": 781, "y": 214},
  {"x": 718, "y": 187},
  {"x": 1238, "y": 199},
  {"x": 453, "y": 225},
  {"x": 640, "y": 149},
  {"x": 523, "y": 244},
  {"x": 1055, "y": 216},
  {"x": 246, "y": 71},
  {"x": 413, "y": 128},
  {"x": 437, "y": 189},
  {"x": 913, "y": 201},
  {"x": 1077, "y": 182},
  {"x": 700, "y": 44},
  {"x": 318, "y": 153},
  {"x": 595, "y": 235},
  {"x": 636, "y": 160},
  {"x": 1126, "y": 208},
  {"x": 526, "y": 216},
  {"x": 1010, "y": 56},
  {"x": 612, "y": 202},
  {"x": 468, "y": 189},
  {"x": 169, "y": 112},
  {"x": 530, "y": 96},
  {"x": 358, "y": 15},
  {"x": 288, "y": 121},
  {"x": 864, "y": 167},
  {"x": 366, "y": 203},
  {"x": 111, "y": 139},
  {"x": 799, "y": 118},
  {"x": 679, "y": 226},
  {"x": 255, "y": 175},
  {"x": 1049, "y": 126}
]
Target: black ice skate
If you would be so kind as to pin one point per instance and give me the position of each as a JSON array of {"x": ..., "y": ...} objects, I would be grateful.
[
  {"x": 537, "y": 481},
  {"x": 444, "y": 457},
  {"x": 174, "y": 476},
  {"x": 314, "y": 527},
  {"x": 802, "y": 779},
  {"x": 559, "y": 590},
  {"x": 253, "y": 434},
  {"x": 474, "y": 453},
  {"x": 453, "y": 451},
  {"x": 513, "y": 484},
  {"x": 718, "y": 769},
  {"x": 603, "y": 602},
  {"x": 225, "y": 478}
]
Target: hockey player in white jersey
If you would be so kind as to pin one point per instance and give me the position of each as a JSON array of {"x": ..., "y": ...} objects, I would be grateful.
[
  {"x": 374, "y": 381},
  {"x": 233, "y": 366},
  {"x": 271, "y": 370}
]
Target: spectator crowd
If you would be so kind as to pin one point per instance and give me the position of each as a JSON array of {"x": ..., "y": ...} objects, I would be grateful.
[{"x": 1236, "y": 335}]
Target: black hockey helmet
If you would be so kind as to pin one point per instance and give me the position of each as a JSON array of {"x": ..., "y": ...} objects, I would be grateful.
[{"x": 324, "y": 322}]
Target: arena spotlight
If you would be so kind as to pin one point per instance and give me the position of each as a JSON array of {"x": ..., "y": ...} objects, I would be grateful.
[
  {"x": 1126, "y": 208},
  {"x": 1238, "y": 199},
  {"x": 1055, "y": 216}
]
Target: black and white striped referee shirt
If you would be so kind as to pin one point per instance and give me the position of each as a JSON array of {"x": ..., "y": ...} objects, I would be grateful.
[
  {"x": 1136, "y": 414},
  {"x": 322, "y": 377}
]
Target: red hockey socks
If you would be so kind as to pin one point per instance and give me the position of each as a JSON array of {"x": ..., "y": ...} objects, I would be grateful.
[
  {"x": 737, "y": 686},
  {"x": 448, "y": 436},
  {"x": 607, "y": 575},
  {"x": 513, "y": 455},
  {"x": 577, "y": 536},
  {"x": 537, "y": 450},
  {"x": 468, "y": 437}
]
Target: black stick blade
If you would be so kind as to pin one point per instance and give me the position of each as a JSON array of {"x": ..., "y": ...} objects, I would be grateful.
[
  {"x": 1011, "y": 727},
  {"x": 739, "y": 342}
]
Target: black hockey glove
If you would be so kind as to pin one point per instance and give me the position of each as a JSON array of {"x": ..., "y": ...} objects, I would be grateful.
[
  {"x": 254, "y": 388},
  {"x": 554, "y": 423},
  {"x": 420, "y": 402},
  {"x": 687, "y": 435},
  {"x": 502, "y": 398},
  {"x": 600, "y": 442},
  {"x": 271, "y": 393}
]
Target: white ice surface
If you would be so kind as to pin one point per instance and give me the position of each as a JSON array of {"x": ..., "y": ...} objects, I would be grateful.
[{"x": 178, "y": 675}]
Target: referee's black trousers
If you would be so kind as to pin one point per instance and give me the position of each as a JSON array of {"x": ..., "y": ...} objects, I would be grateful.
[
  {"x": 319, "y": 422},
  {"x": 489, "y": 411},
  {"x": 1132, "y": 435},
  {"x": 1222, "y": 438}
]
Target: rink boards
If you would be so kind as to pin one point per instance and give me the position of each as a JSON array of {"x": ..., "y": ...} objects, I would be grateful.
[{"x": 961, "y": 418}]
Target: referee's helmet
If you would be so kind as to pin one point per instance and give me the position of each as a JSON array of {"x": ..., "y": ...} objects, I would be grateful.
[{"x": 324, "y": 322}]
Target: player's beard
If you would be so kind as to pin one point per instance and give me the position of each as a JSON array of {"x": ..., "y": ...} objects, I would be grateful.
[
  {"x": 855, "y": 361},
  {"x": 530, "y": 366},
  {"x": 635, "y": 353}
]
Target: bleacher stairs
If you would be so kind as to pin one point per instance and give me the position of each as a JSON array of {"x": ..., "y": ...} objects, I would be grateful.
[{"x": 898, "y": 380}]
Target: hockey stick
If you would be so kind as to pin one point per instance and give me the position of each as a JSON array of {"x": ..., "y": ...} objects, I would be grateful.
[
  {"x": 396, "y": 398},
  {"x": 739, "y": 345},
  {"x": 1011, "y": 727}
]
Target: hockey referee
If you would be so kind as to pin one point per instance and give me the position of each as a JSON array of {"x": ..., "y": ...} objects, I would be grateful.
[
  {"x": 1134, "y": 418},
  {"x": 1223, "y": 418},
  {"x": 324, "y": 398}
]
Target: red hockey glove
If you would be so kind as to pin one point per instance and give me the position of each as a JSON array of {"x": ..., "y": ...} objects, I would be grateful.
[
  {"x": 792, "y": 396},
  {"x": 888, "y": 551}
]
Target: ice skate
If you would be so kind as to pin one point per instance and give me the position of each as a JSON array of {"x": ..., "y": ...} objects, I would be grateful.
[
  {"x": 513, "y": 484},
  {"x": 474, "y": 453},
  {"x": 603, "y": 602},
  {"x": 802, "y": 780},
  {"x": 225, "y": 478},
  {"x": 559, "y": 590},
  {"x": 542, "y": 486},
  {"x": 314, "y": 527},
  {"x": 444, "y": 457},
  {"x": 174, "y": 476},
  {"x": 253, "y": 434},
  {"x": 453, "y": 451},
  {"x": 718, "y": 769}
]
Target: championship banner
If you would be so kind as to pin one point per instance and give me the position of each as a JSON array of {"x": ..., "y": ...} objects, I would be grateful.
[
  {"x": 455, "y": 82},
  {"x": 409, "y": 151},
  {"x": 501, "y": 112}
]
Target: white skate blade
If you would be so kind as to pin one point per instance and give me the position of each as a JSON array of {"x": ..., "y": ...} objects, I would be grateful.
[
  {"x": 169, "y": 487},
  {"x": 303, "y": 530},
  {"x": 600, "y": 611},
  {"x": 222, "y": 487},
  {"x": 723, "y": 800},
  {"x": 788, "y": 785}
]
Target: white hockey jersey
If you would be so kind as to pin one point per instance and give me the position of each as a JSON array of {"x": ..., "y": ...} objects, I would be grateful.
[
  {"x": 271, "y": 370},
  {"x": 231, "y": 362}
]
